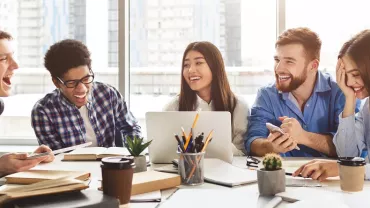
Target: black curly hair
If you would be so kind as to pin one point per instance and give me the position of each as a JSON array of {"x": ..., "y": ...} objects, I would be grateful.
[{"x": 65, "y": 55}]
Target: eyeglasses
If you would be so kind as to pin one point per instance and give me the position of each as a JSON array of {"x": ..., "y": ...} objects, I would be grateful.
[
  {"x": 252, "y": 162},
  {"x": 73, "y": 83}
]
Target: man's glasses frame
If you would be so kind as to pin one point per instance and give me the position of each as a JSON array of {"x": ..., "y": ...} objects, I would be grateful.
[{"x": 74, "y": 83}]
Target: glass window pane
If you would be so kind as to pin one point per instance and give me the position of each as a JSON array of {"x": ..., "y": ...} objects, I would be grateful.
[
  {"x": 244, "y": 32},
  {"x": 37, "y": 24},
  {"x": 334, "y": 24}
]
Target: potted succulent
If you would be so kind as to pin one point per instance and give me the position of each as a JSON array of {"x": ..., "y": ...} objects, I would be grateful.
[
  {"x": 271, "y": 178},
  {"x": 136, "y": 146}
]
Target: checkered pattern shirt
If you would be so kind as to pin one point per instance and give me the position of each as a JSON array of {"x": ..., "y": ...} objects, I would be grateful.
[{"x": 58, "y": 123}]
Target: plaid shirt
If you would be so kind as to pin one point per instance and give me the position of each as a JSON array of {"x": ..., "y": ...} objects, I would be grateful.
[{"x": 58, "y": 123}]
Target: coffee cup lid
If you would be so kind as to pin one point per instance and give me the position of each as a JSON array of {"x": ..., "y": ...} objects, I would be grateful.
[
  {"x": 351, "y": 161},
  {"x": 118, "y": 162}
]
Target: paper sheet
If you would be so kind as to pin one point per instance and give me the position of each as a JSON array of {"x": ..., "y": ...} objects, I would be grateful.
[{"x": 154, "y": 196}]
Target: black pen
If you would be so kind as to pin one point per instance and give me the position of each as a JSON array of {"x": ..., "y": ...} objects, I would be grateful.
[
  {"x": 291, "y": 174},
  {"x": 180, "y": 143}
]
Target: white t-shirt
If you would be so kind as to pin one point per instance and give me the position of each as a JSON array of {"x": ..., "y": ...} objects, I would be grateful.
[{"x": 90, "y": 133}]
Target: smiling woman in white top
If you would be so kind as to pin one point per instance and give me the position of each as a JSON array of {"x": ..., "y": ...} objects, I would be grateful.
[
  {"x": 353, "y": 134},
  {"x": 204, "y": 85}
]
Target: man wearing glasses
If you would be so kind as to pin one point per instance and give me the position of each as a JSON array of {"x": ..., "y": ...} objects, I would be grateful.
[{"x": 79, "y": 110}]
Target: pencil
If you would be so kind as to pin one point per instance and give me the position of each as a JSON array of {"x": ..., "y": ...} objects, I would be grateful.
[
  {"x": 207, "y": 141},
  {"x": 194, "y": 123},
  {"x": 203, "y": 149},
  {"x": 187, "y": 138},
  {"x": 196, "y": 119}
]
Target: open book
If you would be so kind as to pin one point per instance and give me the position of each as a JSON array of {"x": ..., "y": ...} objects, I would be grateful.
[
  {"x": 95, "y": 153},
  {"x": 34, "y": 176},
  {"x": 65, "y": 184}
]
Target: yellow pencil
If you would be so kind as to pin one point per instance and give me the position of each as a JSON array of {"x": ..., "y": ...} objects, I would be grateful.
[
  {"x": 209, "y": 138},
  {"x": 194, "y": 124},
  {"x": 187, "y": 138},
  {"x": 207, "y": 141},
  {"x": 196, "y": 119}
]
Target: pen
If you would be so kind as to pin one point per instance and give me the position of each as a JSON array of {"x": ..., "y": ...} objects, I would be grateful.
[
  {"x": 291, "y": 174},
  {"x": 199, "y": 138},
  {"x": 180, "y": 143}
]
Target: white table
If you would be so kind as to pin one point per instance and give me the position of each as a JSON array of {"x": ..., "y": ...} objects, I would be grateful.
[{"x": 290, "y": 164}]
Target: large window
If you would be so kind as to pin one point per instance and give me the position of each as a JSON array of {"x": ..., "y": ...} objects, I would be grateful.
[
  {"x": 160, "y": 30},
  {"x": 157, "y": 33},
  {"x": 37, "y": 24},
  {"x": 334, "y": 21}
]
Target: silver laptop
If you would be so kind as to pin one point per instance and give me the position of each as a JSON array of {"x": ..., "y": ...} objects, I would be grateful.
[{"x": 161, "y": 127}]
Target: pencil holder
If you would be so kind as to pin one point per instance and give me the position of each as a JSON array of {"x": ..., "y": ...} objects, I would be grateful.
[{"x": 191, "y": 168}]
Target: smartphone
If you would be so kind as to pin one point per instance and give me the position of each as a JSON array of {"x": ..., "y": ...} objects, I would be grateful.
[
  {"x": 274, "y": 128},
  {"x": 37, "y": 155}
]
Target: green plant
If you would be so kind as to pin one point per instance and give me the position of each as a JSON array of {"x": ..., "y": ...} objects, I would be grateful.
[
  {"x": 272, "y": 161},
  {"x": 135, "y": 145}
]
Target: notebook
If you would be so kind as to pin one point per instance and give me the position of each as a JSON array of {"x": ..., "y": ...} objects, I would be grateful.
[
  {"x": 154, "y": 196},
  {"x": 327, "y": 194},
  {"x": 301, "y": 182},
  {"x": 34, "y": 176},
  {"x": 321, "y": 203},
  {"x": 95, "y": 153},
  {"x": 221, "y": 173},
  {"x": 86, "y": 198},
  {"x": 200, "y": 198},
  {"x": 310, "y": 193},
  {"x": 66, "y": 184},
  {"x": 149, "y": 181}
]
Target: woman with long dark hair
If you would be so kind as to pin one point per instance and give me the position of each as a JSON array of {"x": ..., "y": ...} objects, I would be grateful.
[
  {"x": 353, "y": 134},
  {"x": 204, "y": 85}
]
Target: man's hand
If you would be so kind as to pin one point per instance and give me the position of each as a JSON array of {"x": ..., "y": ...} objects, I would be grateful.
[
  {"x": 281, "y": 143},
  {"x": 42, "y": 149},
  {"x": 292, "y": 127},
  {"x": 318, "y": 169},
  {"x": 16, "y": 162}
]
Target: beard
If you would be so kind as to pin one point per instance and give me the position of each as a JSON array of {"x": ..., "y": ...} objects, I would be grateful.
[{"x": 295, "y": 82}]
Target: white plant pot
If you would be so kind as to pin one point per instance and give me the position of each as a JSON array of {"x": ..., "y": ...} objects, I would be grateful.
[
  {"x": 140, "y": 163},
  {"x": 271, "y": 182}
]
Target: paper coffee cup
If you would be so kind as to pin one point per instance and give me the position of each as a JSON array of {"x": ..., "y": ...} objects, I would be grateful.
[
  {"x": 117, "y": 173},
  {"x": 351, "y": 173}
]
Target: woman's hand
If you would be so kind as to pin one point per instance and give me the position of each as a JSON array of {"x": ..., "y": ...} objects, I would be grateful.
[
  {"x": 341, "y": 81},
  {"x": 318, "y": 169}
]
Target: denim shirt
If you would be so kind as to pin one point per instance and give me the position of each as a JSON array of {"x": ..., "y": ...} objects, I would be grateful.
[{"x": 320, "y": 113}]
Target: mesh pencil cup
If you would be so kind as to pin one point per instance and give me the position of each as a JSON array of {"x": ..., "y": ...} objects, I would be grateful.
[{"x": 191, "y": 169}]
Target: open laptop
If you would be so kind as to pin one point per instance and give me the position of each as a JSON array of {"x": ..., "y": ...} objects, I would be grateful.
[{"x": 161, "y": 127}]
